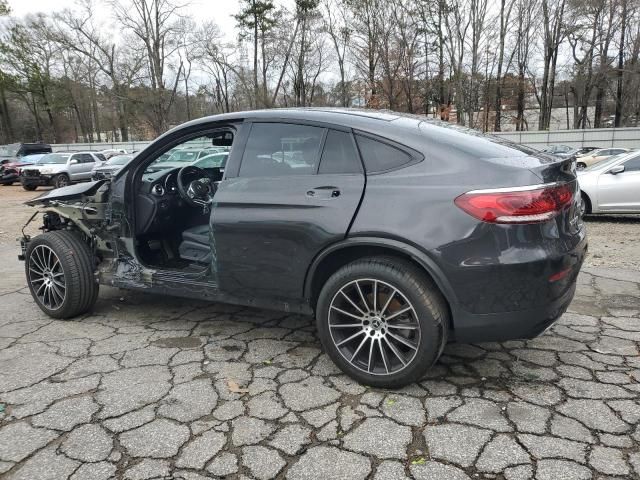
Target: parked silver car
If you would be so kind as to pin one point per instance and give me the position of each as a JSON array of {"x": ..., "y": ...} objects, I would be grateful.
[
  {"x": 612, "y": 186},
  {"x": 110, "y": 167},
  {"x": 60, "y": 169}
]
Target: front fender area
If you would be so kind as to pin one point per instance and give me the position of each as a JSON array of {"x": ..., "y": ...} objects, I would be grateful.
[
  {"x": 83, "y": 209},
  {"x": 347, "y": 250},
  {"x": 72, "y": 192}
]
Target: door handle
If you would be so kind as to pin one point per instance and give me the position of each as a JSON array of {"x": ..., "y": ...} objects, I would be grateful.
[{"x": 325, "y": 192}]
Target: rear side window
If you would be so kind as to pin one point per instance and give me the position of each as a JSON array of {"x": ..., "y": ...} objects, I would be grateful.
[
  {"x": 101, "y": 157},
  {"x": 280, "y": 149},
  {"x": 339, "y": 154},
  {"x": 380, "y": 157}
]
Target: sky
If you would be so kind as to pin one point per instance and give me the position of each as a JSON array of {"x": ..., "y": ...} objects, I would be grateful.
[{"x": 221, "y": 11}]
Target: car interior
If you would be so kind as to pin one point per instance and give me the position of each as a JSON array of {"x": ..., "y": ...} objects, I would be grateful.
[{"x": 173, "y": 200}]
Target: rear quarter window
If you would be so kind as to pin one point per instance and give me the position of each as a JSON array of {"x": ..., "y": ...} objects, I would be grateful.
[{"x": 381, "y": 157}]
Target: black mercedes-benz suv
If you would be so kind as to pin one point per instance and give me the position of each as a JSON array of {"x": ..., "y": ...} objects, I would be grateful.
[{"x": 399, "y": 234}]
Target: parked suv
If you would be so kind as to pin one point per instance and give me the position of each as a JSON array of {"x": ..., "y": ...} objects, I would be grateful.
[
  {"x": 60, "y": 169},
  {"x": 15, "y": 151},
  {"x": 399, "y": 234}
]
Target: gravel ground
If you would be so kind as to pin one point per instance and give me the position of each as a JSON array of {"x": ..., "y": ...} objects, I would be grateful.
[{"x": 156, "y": 387}]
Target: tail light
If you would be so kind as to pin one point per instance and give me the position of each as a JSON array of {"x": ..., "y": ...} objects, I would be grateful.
[{"x": 532, "y": 204}]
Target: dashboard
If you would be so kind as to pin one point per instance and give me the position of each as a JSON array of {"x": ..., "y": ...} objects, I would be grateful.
[
  {"x": 159, "y": 206},
  {"x": 159, "y": 201}
]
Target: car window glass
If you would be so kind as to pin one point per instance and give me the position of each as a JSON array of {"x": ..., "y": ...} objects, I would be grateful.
[
  {"x": 632, "y": 165},
  {"x": 85, "y": 158},
  {"x": 214, "y": 160},
  {"x": 101, "y": 157},
  {"x": 277, "y": 149},
  {"x": 339, "y": 154},
  {"x": 379, "y": 157},
  {"x": 187, "y": 153}
]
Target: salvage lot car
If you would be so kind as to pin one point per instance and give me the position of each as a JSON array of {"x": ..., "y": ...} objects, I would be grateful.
[
  {"x": 612, "y": 186},
  {"x": 15, "y": 151},
  {"x": 10, "y": 171},
  {"x": 60, "y": 169},
  {"x": 371, "y": 221},
  {"x": 110, "y": 167},
  {"x": 597, "y": 156}
]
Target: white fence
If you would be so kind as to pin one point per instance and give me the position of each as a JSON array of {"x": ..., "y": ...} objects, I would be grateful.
[
  {"x": 76, "y": 147},
  {"x": 595, "y": 137}
]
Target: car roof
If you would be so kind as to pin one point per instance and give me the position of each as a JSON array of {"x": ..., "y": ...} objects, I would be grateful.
[{"x": 393, "y": 125}]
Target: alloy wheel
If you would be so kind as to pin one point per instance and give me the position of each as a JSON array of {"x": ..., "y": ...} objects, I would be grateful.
[
  {"x": 47, "y": 277},
  {"x": 374, "y": 326}
]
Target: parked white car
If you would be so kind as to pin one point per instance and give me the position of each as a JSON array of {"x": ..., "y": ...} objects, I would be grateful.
[{"x": 612, "y": 186}]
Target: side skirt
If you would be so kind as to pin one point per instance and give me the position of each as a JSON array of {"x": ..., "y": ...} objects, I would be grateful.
[{"x": 173, "y": 284}]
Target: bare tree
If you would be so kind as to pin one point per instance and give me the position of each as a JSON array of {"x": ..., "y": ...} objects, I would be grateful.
[
  {"x": 553, "y": 34},
  {"x": 156, "y": 24},
  {"x": 506, "y": 6},
  {"x": 336, "y": 20}
]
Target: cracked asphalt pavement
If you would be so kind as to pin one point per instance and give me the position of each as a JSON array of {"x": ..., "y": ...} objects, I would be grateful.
[{"x": 156, "y": 387}]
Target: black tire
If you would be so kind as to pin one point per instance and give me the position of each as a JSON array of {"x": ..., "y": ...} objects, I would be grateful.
[
  {"x": 29, "y": 188},
  {"x": 61, "y": 180},
  {"x": 581, "y": 165},
  {"x": 421, "y": 293},
  {"x": 585, "y": 204},
  {"x": 8, "y": 184},
  {"x": 77, "y": 264}
]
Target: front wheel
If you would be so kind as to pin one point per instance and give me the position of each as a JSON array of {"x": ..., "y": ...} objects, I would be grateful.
[
  {"x": 382, "y": 321},
  {"x": 59, "y": 268},
  {"x": 29, "y": 188},
  {"x": 61, "y": 180}
]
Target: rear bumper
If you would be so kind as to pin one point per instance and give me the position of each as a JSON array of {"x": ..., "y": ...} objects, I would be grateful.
[
  {"x": 542, "y": 303},
  {"x": 498, "y": 327}
]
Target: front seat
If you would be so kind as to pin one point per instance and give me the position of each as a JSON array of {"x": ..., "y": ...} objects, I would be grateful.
[{"x": 195, "y": 245}]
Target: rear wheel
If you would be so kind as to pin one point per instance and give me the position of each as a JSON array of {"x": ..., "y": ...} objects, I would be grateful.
[
  {"x": 59, "y": 268},
  {"x": 29, "y": 188},
  {"x": 382, "y": 321},
  {"x": 61, "y": 180}
]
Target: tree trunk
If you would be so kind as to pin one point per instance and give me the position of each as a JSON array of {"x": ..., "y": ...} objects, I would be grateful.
[
  {"x": 619, "y": 106},
  {"x": 255, "y": 54}
]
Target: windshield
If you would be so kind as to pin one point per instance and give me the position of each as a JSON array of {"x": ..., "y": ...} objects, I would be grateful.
[
  {"x": 119, "y": 160},
  {"x": 54, "y": 158},
  {"x": 213, "y": 161},
  {"x": 183, "y": 156},
  {"x": 9, "y": 150}
]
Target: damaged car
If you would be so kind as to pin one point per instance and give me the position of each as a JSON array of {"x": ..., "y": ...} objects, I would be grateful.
[{"x": 399, "y": 234}]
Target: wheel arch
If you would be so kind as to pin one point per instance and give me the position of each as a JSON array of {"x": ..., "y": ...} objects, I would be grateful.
[
  {"x": 339, "y": 254},
  {"x": 586, "y": 195}
]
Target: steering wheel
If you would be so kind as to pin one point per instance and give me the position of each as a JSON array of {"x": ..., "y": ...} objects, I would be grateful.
[{"x": 195, "y": 186}]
